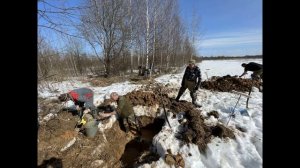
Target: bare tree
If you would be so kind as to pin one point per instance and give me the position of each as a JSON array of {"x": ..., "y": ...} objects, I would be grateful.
[
  {"x": 102, "y": 27},
  {"x": 121, "y": 33}
]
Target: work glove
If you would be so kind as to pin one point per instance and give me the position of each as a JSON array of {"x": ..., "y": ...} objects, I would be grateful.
[{"x": 86, "y": 111}]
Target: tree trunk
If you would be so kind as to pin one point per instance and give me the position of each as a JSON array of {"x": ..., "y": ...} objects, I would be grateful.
[{"x": 147, "y": 35}]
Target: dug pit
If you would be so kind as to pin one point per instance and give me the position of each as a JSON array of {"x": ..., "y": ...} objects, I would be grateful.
[
  {"x": 138, "y": 150},
  {"x": 112, "y": 147}
]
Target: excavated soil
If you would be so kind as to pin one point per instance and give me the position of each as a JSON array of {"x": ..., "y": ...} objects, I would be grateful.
[
  {"x": 47, "y": 106},
  {"x": 228, "y": 83},
  {"x": 143, "y": 98},
  {"x": 113, "y": 148},
  {"x": 85, "y": 152},
  {"x": 196, "y": 131}
]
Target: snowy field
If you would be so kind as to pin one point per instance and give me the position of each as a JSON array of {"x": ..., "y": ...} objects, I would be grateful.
[{"x": 243, "y": 152}]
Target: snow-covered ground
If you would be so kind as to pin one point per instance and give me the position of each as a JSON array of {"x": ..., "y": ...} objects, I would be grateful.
[{"x": 244, "y": 151}]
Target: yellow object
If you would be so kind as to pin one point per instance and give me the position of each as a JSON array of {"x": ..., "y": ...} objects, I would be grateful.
[{"x": 82, "y": 121}]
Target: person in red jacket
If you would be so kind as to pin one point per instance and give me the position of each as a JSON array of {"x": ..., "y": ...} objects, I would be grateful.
[{"x": 83, "y": 98}]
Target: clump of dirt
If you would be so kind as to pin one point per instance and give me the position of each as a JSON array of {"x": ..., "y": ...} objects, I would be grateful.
[
  {"x": 176, "y": 160},
  {"x": 195, "y": 130},
  {"x": 228, "y": 83},
  {"x": 181, "y": 106},
  {"x": 159, "y": 91},
  {"x": 222, "y": 132},
  {"x": 213, "y": 113},
  {"x": 142, "y": 98},
  {"x": 149, "y": 95}
]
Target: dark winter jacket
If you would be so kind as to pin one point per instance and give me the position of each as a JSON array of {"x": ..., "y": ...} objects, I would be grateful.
[
  {"x": 84, "y": 97},
  {"x": 192, "y": 74},
  {"x": 252, "y": 66}
]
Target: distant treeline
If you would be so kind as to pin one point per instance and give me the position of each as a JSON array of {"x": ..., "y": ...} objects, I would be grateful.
[{"x": 231, "y": 57}]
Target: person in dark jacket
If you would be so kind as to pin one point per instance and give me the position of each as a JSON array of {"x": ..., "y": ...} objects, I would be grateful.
[
  {"x": 256, "y": 68},
  {"x": 83, "y": 98},
  {"x": 191, "y": 80},
  {"x": 125, "y": 111}
]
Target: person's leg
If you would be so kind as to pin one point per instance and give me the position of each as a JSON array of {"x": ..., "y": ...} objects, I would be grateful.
[
  {"x": 193, "y": 96},
  {"x": 132, "y": 122},
  {"x": 256, "y": 74},
  {"x": 259, "y": 73},
  {"x": 126, "y": 124},
  {"x": 191, "y": 87},
  {"x": 180, "y": 92}
]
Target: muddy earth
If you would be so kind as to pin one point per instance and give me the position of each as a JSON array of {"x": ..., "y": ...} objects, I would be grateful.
[
  {"x": 228, "y": 83},
  {"x": 59, "y": 145}
]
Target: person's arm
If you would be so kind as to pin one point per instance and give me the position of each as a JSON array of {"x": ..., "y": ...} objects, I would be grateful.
[
  {"x": 89, "y": 105},
  {"x": 245, "y": 72},
  {"x": 103, "y": 115}
]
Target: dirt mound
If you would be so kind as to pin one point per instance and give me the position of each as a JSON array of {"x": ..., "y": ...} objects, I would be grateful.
[
  {"x": 181, "y": 106},
  {"x": 195, "y": 130},
  {"x": 113, "y": 148},
  {"x": 142, "y": 98},
  {"x": 228, "y": 83},
  {"x": 46, "y": 106},
  {"x": 150, "y": 94},
  {"x": 222, "y": 132},
  {"x": 108, "y": 149},
  {"x": 58, "y": 132}
]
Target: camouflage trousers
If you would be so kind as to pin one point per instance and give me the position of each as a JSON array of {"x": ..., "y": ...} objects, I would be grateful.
[
  {"x": 129, "y": 122},
  {"x": 188, "y": 85}
]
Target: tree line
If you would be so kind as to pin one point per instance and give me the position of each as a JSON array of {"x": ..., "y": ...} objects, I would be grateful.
[{"x": 114, "y": 37}]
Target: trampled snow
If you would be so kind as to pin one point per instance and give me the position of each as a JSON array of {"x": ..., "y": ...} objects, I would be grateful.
[{"x": 243, "y": 152}]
